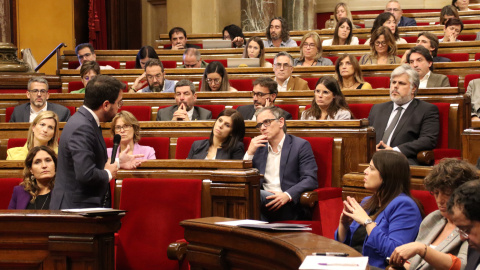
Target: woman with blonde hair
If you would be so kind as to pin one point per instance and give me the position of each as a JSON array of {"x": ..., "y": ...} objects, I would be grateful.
[
  {"x": 256, "y": 49},
  {"x": 311, "y": 52},
  {"x": 43, "y": 131},
  {"x": 341, "y": 11},
  {"x": 349, "y": 73},
  {"x": 383, "y": 49},
  {"x": 126, "y": 125}
]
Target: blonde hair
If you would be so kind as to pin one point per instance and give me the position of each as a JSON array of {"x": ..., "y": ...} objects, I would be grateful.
[
  {"x": 318, "y": 43},
  {"x": 347, "y": 10},
  {"x": 129, "y": 119},
  {"x": 53, "y": 142}
]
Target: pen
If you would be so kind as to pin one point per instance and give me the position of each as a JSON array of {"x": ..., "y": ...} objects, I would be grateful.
[
  {"x": 339, "y": 254},
  {"x": 339, "y": 264}
]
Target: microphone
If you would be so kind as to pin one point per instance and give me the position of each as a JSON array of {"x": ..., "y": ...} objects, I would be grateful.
[{"x": 116, "y": 142}]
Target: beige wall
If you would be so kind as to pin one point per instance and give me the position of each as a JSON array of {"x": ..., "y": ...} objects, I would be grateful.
[
  {"x": 329, "y": 5},
  {"x": 42, "y": 25},
  {"x": 154, "y": 21}
]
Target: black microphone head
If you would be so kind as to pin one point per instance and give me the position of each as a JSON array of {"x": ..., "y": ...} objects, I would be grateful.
[{"x": 116, "y": 139}]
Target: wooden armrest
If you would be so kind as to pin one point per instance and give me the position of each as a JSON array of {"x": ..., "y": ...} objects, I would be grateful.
[
  {"x": 176, "y": 251},
  {"x": 309, "y": 198},
  {"x": 426, "y": 158}
]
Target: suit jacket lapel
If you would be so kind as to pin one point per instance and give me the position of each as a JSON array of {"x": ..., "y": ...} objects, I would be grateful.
[
  {"x": 196, "y": 114},
  {"x": 98, "y": 130},
  {"x": 405, "y": 118},
  {"x": 26, "y": 113},
  {"x": 383, "y": 120},
  {"x": 287, "y": 146}
]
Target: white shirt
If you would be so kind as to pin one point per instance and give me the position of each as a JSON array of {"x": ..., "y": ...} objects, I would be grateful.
[
  {"x": 392, "y": 115},
  {"x": 424, "y": 81},
  {"x": 328, "y": 42},
  {"x": 190, "y": 113},
  {"x": 282, "y": 87},
  {"x": 34, "y": 114}
]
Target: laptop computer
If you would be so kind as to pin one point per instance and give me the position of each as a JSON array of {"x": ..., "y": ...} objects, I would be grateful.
[
  {"x": 236, "y": 62},
  {"x": 216, "y": 44}
]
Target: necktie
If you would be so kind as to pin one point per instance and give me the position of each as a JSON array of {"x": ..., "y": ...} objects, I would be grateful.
[{"x": 392, "y": 125}]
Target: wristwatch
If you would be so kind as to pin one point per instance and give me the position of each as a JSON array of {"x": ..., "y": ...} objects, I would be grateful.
[{"x": 368, "y": 221}]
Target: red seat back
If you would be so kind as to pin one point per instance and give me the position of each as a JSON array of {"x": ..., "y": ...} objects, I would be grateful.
[
  {"x": 74, "y": 86},
  {"x": 323, "y": 152},
  {"x": 426, "y": 199},
  {"x": 423, "y": 23},
  {"x": 411, "y": 39},
  {"x": 443, "y": 109},
  {"x": 378, "y": 82},
  {"x": 223, "y": 61},
  {"x": 453, "y": 79},
  {"x": 362, "y": 40},
  {"x": 114, "y": 64},
  {"x": 463, "y": 37},
  {"x": 8, "y": 113},
  {"x": 130, "y": 64},
  {"x": 360, "y": 110},
  {"x": 477, "y": 56},
  {"x": 184, "y": 144},
  {"x": 16, "y": 142},
  {"x": 312, "y": 82},
  {"x": 215, "y": 109},
  {"x": 471, "y": 21},
  {"x": 6, "y": 190},
  {"x": 467, "y": 80},
  {"x": 291, "y": 108},
  {"x": 332, "y": 58},
  {"x": 142, "y": 113},
  {"x": 155, "y": 208},
  {"x": 242, "y": 84},
  {"x": 161, "y": 145},
  {"x": 455, "y": 57}
]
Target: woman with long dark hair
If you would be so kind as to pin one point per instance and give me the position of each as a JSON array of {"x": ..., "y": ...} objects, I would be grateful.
[
  {"x": 343, "y": 34},
  {"x": 215, "y": 78}
]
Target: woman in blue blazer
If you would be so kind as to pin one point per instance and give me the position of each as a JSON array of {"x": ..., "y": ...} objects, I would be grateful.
[
  {"x": 385, "y": 220},
  {"x": 226, "y": 139}
]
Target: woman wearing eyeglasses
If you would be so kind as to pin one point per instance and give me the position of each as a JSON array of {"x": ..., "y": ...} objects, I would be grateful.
[
  {"x": 387, "y": 19},
  {"x": 311, "y": 52},
  {"x": 226, "y": 139},
  {"x": 88, "y": 71},
  {"x": 382, "y": 49},
  {"x": 42, "y": 131},
  {"x": 126, "y": 125},
  {"x": 215, "y": 78},
  {"x": 438, "y": 237}
]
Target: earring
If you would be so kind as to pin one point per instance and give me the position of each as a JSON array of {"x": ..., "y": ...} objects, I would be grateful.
[{"x": 32, "y": 177}]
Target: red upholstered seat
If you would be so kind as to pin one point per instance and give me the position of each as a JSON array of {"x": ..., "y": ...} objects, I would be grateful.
[
  {"x": 360, "y": 110},
  {"x": 477, "y": 56},
  {"x": 291, "y": 108},
  {"x": 223, "y": 61},
  {"x": 114, "y": 64},
  {"x": 423, "y": 23},
  {"x": 166, "y": 64},
  {"x": 442, "y": 150},
  {"x": 161, "y": 145},
  {"x": 155, "y": 208},
  {"x": 453, "y": 80},
  {"x": 242, "y": 84},
  {"x": 16, "y": 142},
  {"x": 185, "y": 143},
  {"x": 215, "y": 109},
  {"x": 269, "y": 60},
  {"x": 467, "y": 80},
  {"x": 6, "y": 190},
  {"x": 471, "y": 21},
  {"x": 463, "y": 37},
  {"x": 142, "y": 113},
  {"x": 332, "y": 58},
  {"x": 378, "y": 82},
  {"x": 426, "y": 199},
  {"x": 73, "y": 86},
  {"x": 312, "y": 82},
  {"x": 455, "y": 57},
  {"x": 411, "y": 39},
  {"x": 362, "y": 41}
]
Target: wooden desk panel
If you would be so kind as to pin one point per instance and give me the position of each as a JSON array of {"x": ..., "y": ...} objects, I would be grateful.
[{"x": 471, "y": 145}]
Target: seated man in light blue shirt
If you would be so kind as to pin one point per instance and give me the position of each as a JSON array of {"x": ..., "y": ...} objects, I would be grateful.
[{"x": 278, "y": 34}]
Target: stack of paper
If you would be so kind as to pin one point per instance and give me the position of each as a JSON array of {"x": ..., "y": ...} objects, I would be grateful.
[{"x": 332, "y": 262}]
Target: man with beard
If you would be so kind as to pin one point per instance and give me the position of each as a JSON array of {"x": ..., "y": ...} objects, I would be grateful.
[
  {"x": 84, "y": 170},
  {"x": 155, "y": 74},
  {"x": 38, "y": 94},
  {"x": 264, "y": 93},
  {"x": 405, "y": 124},
  {"x": 185, "y": 110},
  {"x": 278, "y": 34},
  {"x": 421, "y": 60}
]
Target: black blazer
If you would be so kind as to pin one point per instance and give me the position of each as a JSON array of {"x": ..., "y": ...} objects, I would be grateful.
[
  {"x": 405, "y": 21},
  {"x": 248, "y": 111},
  {"x": 81, "y": 180},
  {"x": 166, "y": 114},
  {"x": 416, "y": 131},
  {"x": 199, "y": 150},
  {"x": 21, "y": 113}
]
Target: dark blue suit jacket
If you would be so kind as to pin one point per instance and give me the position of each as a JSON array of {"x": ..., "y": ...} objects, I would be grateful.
[
  {"x": 298, "y": 169},
  {"x": 405, "y": 21},
  {"x": 21, "y": 113},
  {"x": 81, "y": 180}
]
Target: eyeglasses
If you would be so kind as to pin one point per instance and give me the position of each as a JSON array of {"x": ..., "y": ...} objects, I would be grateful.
[
  {"x": 265, "y": 123},
  {"x": 284, "y": 65},
  {"x": 259, "y": 94},
  {"x": 124, "y": 127},
  {"x": 378, "y": 43},
  {"x": 214, "y": 81},
  {"x": 36, "y": 91},
  {"x": 84, "y": 56},
  {"x": 309, "y": 45},
  {"x": 462, "y": 233},
  {"x": 158, "y": 77},
  {"x": 392, "y": 10}
]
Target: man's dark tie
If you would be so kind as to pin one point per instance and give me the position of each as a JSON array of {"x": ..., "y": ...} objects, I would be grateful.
[{"x": 392, "y": 125}]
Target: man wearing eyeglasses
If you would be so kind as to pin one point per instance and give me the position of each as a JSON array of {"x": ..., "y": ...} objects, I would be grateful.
[
  {"x": 287, "y": 163},
  {"x": 185, "y": 110},
  {"x": 38, "y": 94},
  {"x": 264, "y": 94},
  {"x": 463, "y": 208},
  {"x": 86, "y": 52},
  {"x": 283, "y": 68},
  {"x": 155, "y": 74},
  {"x": 193, "y": 59},
  {"x": 393, "y": 6}
]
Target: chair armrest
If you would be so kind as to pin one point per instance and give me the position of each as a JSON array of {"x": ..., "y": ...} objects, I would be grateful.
[
  {"x": 176, "y": 251},
  {"x": 426, "y": 158},
  {"x": 309, "y": 199}
]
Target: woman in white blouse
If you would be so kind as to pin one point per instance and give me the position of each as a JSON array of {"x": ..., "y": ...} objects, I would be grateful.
[{"x": 343, "y": 34}]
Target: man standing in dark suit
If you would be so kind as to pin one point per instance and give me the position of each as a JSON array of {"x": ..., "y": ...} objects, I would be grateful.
[
  {"x": 83, "y": 170},
  {"x": 287, "y": 163},
  {"x": 421, "y": 60},
  {"x": 405, "y": 124},
  {"x": 185, "y": 110},
  {"x": 38, "y": 94},
  {"x": 393, "y": 6},
  {"x": 264, "y": 93}
]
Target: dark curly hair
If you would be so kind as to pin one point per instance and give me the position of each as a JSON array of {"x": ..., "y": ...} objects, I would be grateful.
[
  {"x": 449, "y": 174},
  {"x": 467, "y": 199},
  {"x": 284, "y": 35}
]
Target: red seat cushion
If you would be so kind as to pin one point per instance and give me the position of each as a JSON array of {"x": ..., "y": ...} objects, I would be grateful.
[
  {"x": 453, "y": 79},
  {"x": 184, "y": 144},
  {"x": 426, "y": 199},
  {"x": 291, "y": 108},
  {"x": 322, "y": 151},
  {"x": 312, "y": 82},
  {"x": 242, "y": 84},
  {"x": 215, "y": 109},
  {"x": 161, "y": 145},
  {"x": 6, "y": 190},
  {"x": 378, "y": 82},
  {"x": 455, "y": 57},
  {"x": 333, "y": 59},
  {"x": 74, "y": 86},
  {"x": 155, "y": 208},
  {"x": 411, "y": 39},
  {"x": 16, "y": 142},
  {"x": 142, "y": 113}
]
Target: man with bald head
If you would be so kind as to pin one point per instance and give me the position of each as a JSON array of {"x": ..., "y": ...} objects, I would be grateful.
[
  {"x": 193, "y": 59},
  {"x": 393, "y": 6}
]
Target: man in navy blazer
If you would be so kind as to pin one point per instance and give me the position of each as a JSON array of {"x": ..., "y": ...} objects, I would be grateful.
[
  {"x": 417, "y": 127},
  {"x": 38, "y": 94},
  {"x": 287, "y": 163},
  {"x": 84, "y": 170},
  {"x": 393, "y": 6}
]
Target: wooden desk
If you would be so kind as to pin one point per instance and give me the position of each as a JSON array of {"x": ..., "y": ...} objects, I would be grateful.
[
  {"x": 471, "y": 145},
  {"x": 43, "y": 239},
  {"x": 212, "y": 246}
]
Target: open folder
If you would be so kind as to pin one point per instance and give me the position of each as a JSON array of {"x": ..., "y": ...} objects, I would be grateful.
[
  {"x": 277, "y": 227},
  {"x": 333, "y": 262}
]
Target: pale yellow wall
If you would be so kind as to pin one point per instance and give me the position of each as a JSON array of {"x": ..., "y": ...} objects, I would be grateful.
[
  {"x": 154, "y": 21},
  {"x": 42, "y": 25}
]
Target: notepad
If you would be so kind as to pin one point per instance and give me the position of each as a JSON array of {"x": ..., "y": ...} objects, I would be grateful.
[
  {"x": 278, "y": 227},
  {"x": 91, "y": 212},
  {"x": 332, "y": 262}
]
